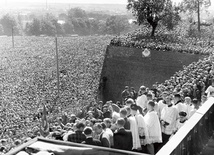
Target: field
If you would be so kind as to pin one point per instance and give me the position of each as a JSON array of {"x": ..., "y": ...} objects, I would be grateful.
[{"x": 28, "y": 73}]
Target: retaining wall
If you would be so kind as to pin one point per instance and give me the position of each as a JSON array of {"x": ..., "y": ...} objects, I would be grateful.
[{"x": 126, "y": 66}]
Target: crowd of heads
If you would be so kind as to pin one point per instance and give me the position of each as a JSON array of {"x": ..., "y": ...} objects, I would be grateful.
[{"x": 187, "y": 86}]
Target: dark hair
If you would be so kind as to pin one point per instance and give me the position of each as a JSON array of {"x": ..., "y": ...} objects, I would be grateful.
[
  {"x": 123, "y": 111},
  {"x": 2, "y": 149},
  {"x": 177, "y": 95},
  {"x": 80, "y": 125},
  {"x": 98, "y": 125},
  {"x": 149, "y": 95},
  {"x": 195, "y": 101},
  {"x": 87, "y": 131},
  {"x": 182, "y": 113},
  {"x": 121, "y": 121},
  {"x": 151, "y": 103},
  {"x": 103, "y": 125}
]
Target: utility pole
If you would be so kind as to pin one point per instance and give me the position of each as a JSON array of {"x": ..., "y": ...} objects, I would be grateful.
[
  {"x": 199, "y": 22},
  {"x": 57, "y": 63},
  {"x": 12, "y": 36}
]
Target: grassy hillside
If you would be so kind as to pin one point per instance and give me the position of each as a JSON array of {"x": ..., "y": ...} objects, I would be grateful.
[{"x": 28, "y": 72}]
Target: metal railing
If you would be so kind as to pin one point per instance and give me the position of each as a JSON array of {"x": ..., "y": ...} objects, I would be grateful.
[{"x": 194, "y": 134}]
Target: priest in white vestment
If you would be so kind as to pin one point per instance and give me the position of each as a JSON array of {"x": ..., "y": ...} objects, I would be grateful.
[
  {"x": 153, "y": 125},
  {"x": 168, "y": 120}
]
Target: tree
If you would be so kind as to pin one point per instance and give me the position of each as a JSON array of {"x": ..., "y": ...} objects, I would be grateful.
[
  {"x": 34, "y": 28},
  {"x": 8, "y": 22},
  {"x": 153, "y": 11},
  {"x": 195, "y": 6},
  {"x": 68, "y": 27},
  {"x": 116, "y": 24},
  {"x": 48, "y": 28},
  {"x": 77, "y": 13},
  {"x": 1, "y": 30}
]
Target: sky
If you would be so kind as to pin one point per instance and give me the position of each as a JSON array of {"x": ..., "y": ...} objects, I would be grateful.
[
  {"x": 72, "y": 1},
  {"x": 2, "y": 2}
]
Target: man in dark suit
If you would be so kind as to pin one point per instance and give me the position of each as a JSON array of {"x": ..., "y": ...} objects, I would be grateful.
[
  {"x": 123, "y": 114},
  {"x": 89, "y": 139},
  {"x": 122, "y": 137},
  {"x": 77, "y": 136}
]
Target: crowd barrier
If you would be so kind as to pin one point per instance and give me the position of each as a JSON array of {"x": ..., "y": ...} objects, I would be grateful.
[{"x": 192, "y": 137}]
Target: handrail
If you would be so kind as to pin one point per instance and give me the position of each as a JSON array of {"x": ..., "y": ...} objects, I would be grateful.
[
  {"x": 193, "y": 134},
  {"x": 72, "y": 144}
]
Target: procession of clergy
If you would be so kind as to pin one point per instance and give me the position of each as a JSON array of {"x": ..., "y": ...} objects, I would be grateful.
[{"x": 152, "y": 122}]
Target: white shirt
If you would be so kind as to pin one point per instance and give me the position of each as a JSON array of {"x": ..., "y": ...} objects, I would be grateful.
[
  {"x": 192, "y": 112},
  {"x": 142, "y": 101},
  {"x": 209, "y": 89},
  {"x": 180, "y": 107},
  {"x": 188, "y": 109},
  {"x": 179, "y": 124}
]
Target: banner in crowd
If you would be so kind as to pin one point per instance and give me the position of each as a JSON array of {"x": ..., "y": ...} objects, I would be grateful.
[{"x": 44, "y": 127}]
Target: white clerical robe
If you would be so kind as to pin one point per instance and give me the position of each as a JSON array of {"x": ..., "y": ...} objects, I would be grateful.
[
  {"x": 142, "y": 101},
  {"x": 154, "y": 127},
  {"x": 169, "y": 115},
  {"x": 135, "y": 135},
  {"x": 209, "y": 89},
  {"x": 142, "y": 129}
]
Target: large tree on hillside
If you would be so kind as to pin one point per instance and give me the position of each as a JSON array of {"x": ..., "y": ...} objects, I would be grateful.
[
  {"x": 77, "y": 13},
  {"x": 8, "y": 22},
  {"x": 154, "y": 11},
  {"x": 195, "y": 6}
]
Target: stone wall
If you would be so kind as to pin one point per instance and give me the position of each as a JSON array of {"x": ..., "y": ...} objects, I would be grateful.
[{"x": 126, "y": 66}]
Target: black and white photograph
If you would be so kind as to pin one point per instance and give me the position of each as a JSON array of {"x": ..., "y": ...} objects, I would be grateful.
[{"x": 106, "y": 77}]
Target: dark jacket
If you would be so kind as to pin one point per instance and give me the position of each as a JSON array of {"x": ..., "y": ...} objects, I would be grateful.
[
  {"x": 123, "y": 139},
  {"x": 127, "y": 124},
  {"x": 77, "y": 137},
  {"x": 104, "y": 141},
  {"x": 91, "y": 141}
]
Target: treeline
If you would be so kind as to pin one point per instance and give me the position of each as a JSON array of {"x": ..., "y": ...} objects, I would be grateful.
[{"x": 75, "y": 21}]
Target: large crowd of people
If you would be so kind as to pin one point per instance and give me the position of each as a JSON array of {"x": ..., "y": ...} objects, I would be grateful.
[
  {"x": 142, "y": 121},
  {"x": 139, "y": 38}
]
